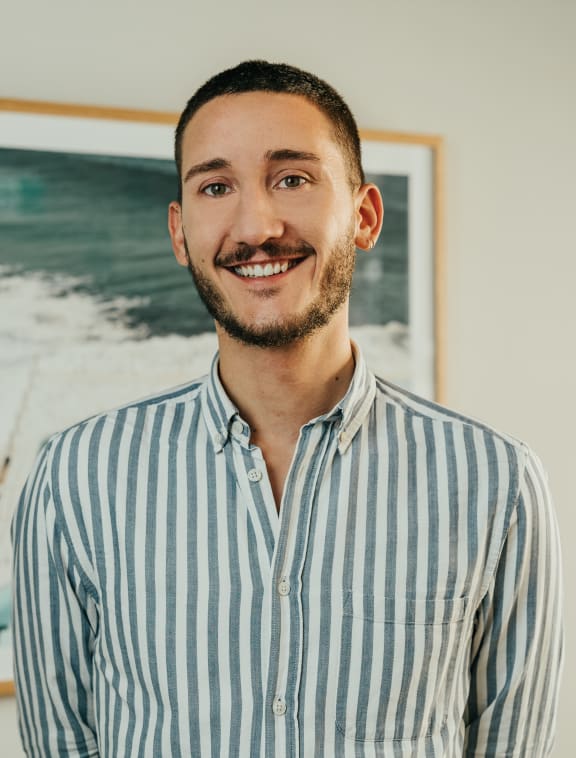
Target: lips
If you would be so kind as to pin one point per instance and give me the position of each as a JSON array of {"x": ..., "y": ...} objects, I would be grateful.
[{"x": 269, "y": 259}]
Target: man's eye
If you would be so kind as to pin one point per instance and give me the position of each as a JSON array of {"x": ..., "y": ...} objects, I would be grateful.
[
  {"x": 216, "y": 189},
  {"x": 292, "y": 181}
]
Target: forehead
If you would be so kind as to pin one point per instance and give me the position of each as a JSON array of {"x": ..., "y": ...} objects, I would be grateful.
[{"x": 256, "y": 122}]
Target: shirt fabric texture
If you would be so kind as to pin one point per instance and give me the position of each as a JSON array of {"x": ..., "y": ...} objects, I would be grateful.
[{"x": 404, "y": 602}]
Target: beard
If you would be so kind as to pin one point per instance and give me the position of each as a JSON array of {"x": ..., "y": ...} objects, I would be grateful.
[{"x": 334, "y": 291}]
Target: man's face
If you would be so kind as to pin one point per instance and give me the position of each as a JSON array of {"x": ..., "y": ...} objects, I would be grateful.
[{"x": 268, "y": 220}]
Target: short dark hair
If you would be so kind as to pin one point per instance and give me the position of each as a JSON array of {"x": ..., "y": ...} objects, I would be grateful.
[{"x": 262, "y": 76}]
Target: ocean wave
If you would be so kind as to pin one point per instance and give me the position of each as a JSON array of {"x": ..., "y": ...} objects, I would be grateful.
[
  {"x": 41, "y": 313},
  {"x": 65, "y": 356}
]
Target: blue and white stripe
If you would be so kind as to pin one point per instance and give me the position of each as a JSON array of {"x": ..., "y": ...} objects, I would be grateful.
[{"x": 406, "y": 600}]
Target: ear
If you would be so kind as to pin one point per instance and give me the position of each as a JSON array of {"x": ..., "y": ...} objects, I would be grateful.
[
  {"x": 369, "y": 216},
  {"x": 176, "y": 231}
]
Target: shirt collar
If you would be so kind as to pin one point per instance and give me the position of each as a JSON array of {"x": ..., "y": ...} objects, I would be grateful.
[
  {"x": 223, "y": 418},
  {"x": 357, "y": 401},
  {"x": 219, "y": 410}
]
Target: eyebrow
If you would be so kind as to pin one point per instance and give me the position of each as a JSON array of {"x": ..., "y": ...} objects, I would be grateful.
[
  {"x": 217, "y": 164},
  {"x": 285, "y": 154}
]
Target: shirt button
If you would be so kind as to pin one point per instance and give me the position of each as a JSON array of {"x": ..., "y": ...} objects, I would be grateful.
[
  {"x": 254, "y": 475},
  {"x": 237, "y": 427},
  {"x": 284, "y": 586},
  {"x": 218, "y": 438},
  {"x": 279, "y": 706}
]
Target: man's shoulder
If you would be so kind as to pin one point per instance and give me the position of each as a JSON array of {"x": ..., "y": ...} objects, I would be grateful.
[
  {"x": 412, "y": 405},
  {"x": 145, "y": 408}
]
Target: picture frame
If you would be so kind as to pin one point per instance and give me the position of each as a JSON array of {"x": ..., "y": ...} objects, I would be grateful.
[{"x": 407, "y": 341}]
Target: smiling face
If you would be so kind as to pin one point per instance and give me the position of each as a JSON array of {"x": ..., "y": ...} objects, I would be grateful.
[{"x": 268, "y": 222}]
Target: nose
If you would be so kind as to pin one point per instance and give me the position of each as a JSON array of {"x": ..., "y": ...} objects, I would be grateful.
[{"x": 256, "y": 219}]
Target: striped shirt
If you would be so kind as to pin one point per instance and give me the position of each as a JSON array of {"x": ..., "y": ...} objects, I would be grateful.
[{"x": 404, "y": 602}]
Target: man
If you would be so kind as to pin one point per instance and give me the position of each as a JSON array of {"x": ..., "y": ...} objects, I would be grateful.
[{"x": 288, "y": 557}]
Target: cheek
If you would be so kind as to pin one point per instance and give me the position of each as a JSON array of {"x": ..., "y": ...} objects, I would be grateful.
[
  {"x": 209, "y": 223},
  {"x": 312, "y": 222},
  {"x": 201, "y": 238},
  {"x": 326, "y": 218}
]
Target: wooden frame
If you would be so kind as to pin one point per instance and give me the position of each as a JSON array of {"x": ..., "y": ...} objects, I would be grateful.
[{"x": 158, "y": 125}]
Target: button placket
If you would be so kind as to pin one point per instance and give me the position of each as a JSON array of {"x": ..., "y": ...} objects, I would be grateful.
[{"x": 292, "y": 547}]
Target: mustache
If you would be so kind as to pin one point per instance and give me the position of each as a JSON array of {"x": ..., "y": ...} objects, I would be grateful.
[{"x": 244, "y": 252}]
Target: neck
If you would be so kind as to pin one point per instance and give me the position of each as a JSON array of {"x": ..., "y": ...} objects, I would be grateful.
[{"x": 283, "y": 388}]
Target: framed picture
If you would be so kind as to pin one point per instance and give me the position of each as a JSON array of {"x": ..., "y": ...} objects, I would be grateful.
[{"x": 95, "y": 311}]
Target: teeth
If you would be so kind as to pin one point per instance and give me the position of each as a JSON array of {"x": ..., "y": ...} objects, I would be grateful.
[{"x": 269, "y": 269}]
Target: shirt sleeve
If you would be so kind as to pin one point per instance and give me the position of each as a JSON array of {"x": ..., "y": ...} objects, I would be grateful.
[
  {"x": 517, "y": 650},
  {"x": 54, "y": 626}
]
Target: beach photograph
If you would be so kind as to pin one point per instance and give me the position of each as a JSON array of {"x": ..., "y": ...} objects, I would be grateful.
[{"x": 95, "y": 312}]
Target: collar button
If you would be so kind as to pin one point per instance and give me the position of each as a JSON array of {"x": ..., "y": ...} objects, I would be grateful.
[{"x": 237, "y": 428}]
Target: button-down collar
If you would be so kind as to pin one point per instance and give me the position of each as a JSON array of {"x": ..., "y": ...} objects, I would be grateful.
[{"x": 224, "y": 420}]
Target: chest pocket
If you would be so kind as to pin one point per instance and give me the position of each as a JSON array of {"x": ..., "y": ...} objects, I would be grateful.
[{"x": 397, "y": 665}]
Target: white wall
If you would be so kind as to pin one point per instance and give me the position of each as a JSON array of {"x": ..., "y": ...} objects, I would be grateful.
[{"x": 496, "y": 79}]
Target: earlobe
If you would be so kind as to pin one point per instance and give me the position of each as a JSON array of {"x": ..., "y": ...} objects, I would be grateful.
[
  {"x": 176, "y": 232},
  {"x": 370, "y": 214}
]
